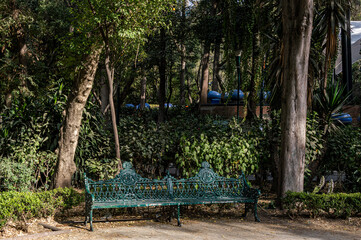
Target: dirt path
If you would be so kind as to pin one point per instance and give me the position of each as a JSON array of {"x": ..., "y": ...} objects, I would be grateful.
[
  {"x": 199, "y": 222},
  {"x": 222, "y": 229},
  {"x": 271, "y": 227}
]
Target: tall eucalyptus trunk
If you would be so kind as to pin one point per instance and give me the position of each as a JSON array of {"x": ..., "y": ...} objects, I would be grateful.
[
  {"x": 69, "y": 133},
  {"x": 297, "y": 18}
]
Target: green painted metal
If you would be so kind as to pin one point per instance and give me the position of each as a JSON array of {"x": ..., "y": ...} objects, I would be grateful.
[{"x": 129, "y": 189}]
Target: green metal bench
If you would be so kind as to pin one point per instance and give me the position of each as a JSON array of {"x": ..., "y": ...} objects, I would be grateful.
[{"x": 129, "y": 189}]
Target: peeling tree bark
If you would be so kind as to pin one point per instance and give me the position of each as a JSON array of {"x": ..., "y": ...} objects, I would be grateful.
[
  {"x": 297, "y": 16},
  {"x": 69, "y": 132}
]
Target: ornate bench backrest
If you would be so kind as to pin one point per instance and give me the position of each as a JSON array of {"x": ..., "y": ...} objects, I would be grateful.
[
  {"x": 128, "y": 186},
  {"x": 207, "y": 185}
]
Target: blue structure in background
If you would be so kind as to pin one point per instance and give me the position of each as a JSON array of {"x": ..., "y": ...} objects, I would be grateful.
[
  {"x": 145, "y": 106},
  {"x": 168, "y": 105},
  {"x": 215, "y": 97},
  {"x": 266, "y": 95},
  {"x": 129, "y": 105},
  {"x": 235, "y": 94},
  {"x": 344, "y": 118}
]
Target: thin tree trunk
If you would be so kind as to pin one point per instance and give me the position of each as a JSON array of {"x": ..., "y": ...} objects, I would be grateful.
[
  {"x": 252, "y": 105},
  {"x": 189, "y": 91},
  {"x": 217, "y": 51},
  {"x": 183, "y": 57},
  {"x": 104, "y": 91},
  {"x": 297, "y": 17},
  {"x": 110, "y": 73},
  {"x": 162, "y": 76},
  {"x": 182, "y": 75},
  {"x": 8, "y": 100},
  {"x": 23, "y": 52},
  {"x": 143, "y": 86},
  {"x": 70, "y": 129},
  {"x": 199, "y": 77},
  {"x": 205, "y": 72}
]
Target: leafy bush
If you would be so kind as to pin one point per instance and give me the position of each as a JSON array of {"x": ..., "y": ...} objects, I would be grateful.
[
  {"x": 229, "y": 152},
  {"x": 151, "y": 146},
  {"x": 26, "y": 205},
  {"x": 26, "y": 167},
  {"x": 344, "y": 155},
  {"x": 334, "y": 204}
]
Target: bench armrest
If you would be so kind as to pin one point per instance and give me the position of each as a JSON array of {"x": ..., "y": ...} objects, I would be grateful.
[
  {"x": 88, "y": 194},
  {"x": 247, "y": 190}
]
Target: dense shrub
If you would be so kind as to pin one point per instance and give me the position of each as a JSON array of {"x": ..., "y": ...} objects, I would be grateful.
[
  {"x": 26, "y": 205},
  {"x": 151, "y": 146},
  {"x": 334, "y": 204},
  {"x": 344, "y": 155},
  {"x": 29, "y": 133},
  {"x": 229, "y": 152}
]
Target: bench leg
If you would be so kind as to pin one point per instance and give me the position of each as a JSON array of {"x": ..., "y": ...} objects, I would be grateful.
[
  {"x": 91, "y": 220},
  {"x": 255, "y": 212},
  {"x": 246, "y": 209},
  {"x": 178, "y": 216},
  {"x": 86, "y": 219}
]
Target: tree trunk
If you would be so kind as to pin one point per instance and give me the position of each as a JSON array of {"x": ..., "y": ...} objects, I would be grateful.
[
  {"x": 217, "y": 50},
  {"x": 142, "y": 92},
  {"x": 104, "y": 92},
  {"x": 162, "y": 76},
  {"x": 110, "y": 73},
  {"x": 69, "y": 133},
  {"x": 189, "y": 91},
  {"x": 183, "y": 56},
  {"x": 205, "y": 72},
  {"x": 8, "y": 99},
  {"x": 182, "y": 75},
  {"x": 252, "y": 105},
  {"x": 297, "y": 19}
]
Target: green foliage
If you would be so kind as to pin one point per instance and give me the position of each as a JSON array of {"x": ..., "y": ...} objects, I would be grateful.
[
  {"x": 29, "y": 132},
  {"x": 272, "y": 132},
  {"x": 228, "y": 151},
  {"x": 95, "y": 140},
  {"x": 334, "y": 205},
  {"x": 344, "y": 155},
  {"x": 102, "y": 168},
  {"x": 328, "y": 102},
  {"x": 26, "y": 205},
  {"x": 151, "y": 146},
  {"x": 314, "y": 139}
]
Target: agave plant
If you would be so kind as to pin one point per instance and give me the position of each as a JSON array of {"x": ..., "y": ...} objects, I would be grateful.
[{"x": 330, "y": 101}]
